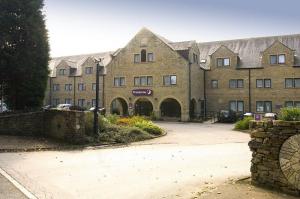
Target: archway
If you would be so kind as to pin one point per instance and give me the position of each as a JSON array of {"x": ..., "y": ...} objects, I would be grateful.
[
  {"x": 170, "y": 108},
  {"x": 119, "y": 106},
  {"x": 143, "y": 106}
]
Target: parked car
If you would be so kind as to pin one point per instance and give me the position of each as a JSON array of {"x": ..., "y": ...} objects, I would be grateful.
[
  {"x": 64, "y": 106},
  {"x": 3, "y": 107},
  {"x": 270, "y": 116},
  {"x": 100, "y": 110},
  {"x": 76, "y": 108},
  {"x": 226, "y": 116}
]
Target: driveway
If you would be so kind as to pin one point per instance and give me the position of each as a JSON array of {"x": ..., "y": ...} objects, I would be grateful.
[{"x": 174, "y": 166}]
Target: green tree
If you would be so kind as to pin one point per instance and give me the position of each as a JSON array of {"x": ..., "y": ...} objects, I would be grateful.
[{"x": 24, "y": 53}]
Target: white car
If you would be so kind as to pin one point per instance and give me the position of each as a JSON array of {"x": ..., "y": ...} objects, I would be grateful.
[
  {"x": 3, "y": 107},
  {"x": 64, "y": 106}
]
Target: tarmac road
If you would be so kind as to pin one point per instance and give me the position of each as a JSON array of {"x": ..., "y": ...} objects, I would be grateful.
[{"x": 173, "y": 166}]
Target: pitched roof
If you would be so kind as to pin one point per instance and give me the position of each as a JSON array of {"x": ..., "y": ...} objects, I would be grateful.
[
  {"x": 75, "y": 61},
  {"x": 249, "y": 50}
]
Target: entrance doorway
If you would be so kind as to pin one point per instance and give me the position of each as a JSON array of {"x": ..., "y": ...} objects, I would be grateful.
[
  {"x": 170, "y": 108},
  {"x": 119, "y": 106},
  {"x": 143, "y": 107}
]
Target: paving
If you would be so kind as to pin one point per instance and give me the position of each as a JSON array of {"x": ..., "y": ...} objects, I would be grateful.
[
  {"x": 8, "y": 190},
  {"x": 174, "y": 166}
]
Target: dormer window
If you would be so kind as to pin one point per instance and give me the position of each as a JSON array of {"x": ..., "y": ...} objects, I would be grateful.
[
  {"x": 88, "y": 70},
  {"x": 277, "y": 59},
  {"x": 223, "y": 62},
  {"x": 143, "y": 55},
  {"x": 62, "y": 72}
]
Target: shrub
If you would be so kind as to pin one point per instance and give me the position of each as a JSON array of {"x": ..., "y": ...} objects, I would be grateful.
[
  {"x": 112, "y": 118},
  {"x": 89, "y": 123},
  {"x": 149, "y": 127},
  {"x": 290, "y": 114},
  {"x": 243, "y": 124}
]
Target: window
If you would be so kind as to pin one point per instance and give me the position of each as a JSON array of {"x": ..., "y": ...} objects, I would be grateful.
[
  {"x": 170, "y": 80},
  {"x": 119, "y": 81},
  {"x": 150, "y": 57},
  {"x": 289, "y": 104},
  {"x": 214, "y": 84},
  {"x": 273, "y": 59},
  {"x": 292, "y": 104},
  {"x": 236, "y": 106},
  {"x": 223, "y": 62},
  {"x": 236, "y": 83},
  {"x": 267, "y": 83},
  {"x": 289, "y": 83},
  {"x": 93, "y": 102},
  {"x": 88, "y": 70},
  {"x": 137, "y": 58},
  {"x": 264, "y": 106},
  {"x": 259, "y": 83},
  {"x": 263, "y": 83},
  {"x": 292, "y": 83},
  {"x": 143, "y": 56},
  {"x": 173, "y": 80},
  {"x": 281, "y": 59},
  {"x": 81, "y": 87},
  {"x": 62, "y": 72},
  {"x": 297, "y": 82},
  {"x": 277, "y": 59},
  {"x": 68, "y": 101},
  {"x": 195, "y": 58},
  {"x": 55, "y": 101},
  {"x": 94, "y": 86},
  {"x": 143, "y": 81},
  {"x": 55, "y": 87},
  {"x": 81, "y": 102},
  {"x": 68, "y": 87}
]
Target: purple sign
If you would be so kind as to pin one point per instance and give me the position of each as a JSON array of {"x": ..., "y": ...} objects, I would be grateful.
[
  {"x": 142, "y": 92},
  {"x": 257, "y": 117}
]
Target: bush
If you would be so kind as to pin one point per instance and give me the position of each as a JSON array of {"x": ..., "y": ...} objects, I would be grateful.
[
  {"x": 149, "y": 127},
  {"x": 243, "y": 124},
  {"x": 290, "y": 114},
  {"x": 89, "y": 123},
  {"x": 113, "y": 119}
]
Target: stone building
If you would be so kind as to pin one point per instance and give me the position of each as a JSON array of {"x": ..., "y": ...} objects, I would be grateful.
[{"x": 154, "y": 76}]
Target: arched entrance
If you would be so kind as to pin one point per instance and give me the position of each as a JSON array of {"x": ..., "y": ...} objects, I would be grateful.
[
  {"x": 170, "y": 108},
  {"x": 119, "y": 106},
  {"x": 193, "y": 108},
  {"x": 143, "y": 106}
]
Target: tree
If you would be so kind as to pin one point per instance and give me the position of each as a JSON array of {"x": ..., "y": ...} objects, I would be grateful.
[{"x": 24, "y": 53}]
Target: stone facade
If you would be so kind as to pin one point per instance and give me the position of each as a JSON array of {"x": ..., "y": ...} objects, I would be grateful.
[
  {"x": 67, "y": 126},
  {"x": 245, "y": 81},
  {"x": 276, "y": 155}
]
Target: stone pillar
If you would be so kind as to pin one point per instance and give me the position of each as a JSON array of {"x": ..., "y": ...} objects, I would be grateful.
[{"x": 185, "y": 116}]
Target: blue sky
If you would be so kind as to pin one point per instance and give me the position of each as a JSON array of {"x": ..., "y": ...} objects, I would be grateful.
[{"x": 88, "y": 26}]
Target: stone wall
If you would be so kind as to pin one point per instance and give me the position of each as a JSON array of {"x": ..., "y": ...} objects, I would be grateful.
[
  {"x": 67, "y": 126},
  {"x": 276, "y": 162}
]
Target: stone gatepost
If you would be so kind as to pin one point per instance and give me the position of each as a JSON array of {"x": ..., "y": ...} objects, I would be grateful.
[{"x": 276, "y": 155}]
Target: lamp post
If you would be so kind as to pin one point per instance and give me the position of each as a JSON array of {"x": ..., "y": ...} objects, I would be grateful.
[{"x": 99, "y": 66}]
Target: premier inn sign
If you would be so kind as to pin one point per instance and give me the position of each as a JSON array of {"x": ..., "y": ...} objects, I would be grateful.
[{"x": 142, "y": 92}]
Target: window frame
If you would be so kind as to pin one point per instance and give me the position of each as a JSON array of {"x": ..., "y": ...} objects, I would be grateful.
[
  {"x": 88, "y": 70},
  {"x": 119, "y": 80},
  {"x": 212, "y": 84},
  {"x": 143, "y": 56},
  {"x": 278, "y": 62},
  {"x": 236, "y": 105},
  {"x": 148, "y": 57},
  {"x": 68, "y": 87},
  {"x": 264, "y": 105},
  {"x": 262, "y": 83},
  {"x": 56, "y": 87},
  {"x": 292, "y": 81},
  {"x": 68, "y": 99},
  {"x": 136, "y": 56},
  {"x": 83, "y": 102},
  {"x": 265, "y": 80},
  {"x": 83, "y": 87},
  {"x": 169, "y": 77},
  {"x": 222, "y": 61}
]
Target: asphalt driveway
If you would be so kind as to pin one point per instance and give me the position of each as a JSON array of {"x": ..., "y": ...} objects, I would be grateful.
[{"x": 173, "y": 166}]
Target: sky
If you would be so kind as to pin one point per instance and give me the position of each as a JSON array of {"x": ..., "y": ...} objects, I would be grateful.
[{"x": 92, "y": 26}]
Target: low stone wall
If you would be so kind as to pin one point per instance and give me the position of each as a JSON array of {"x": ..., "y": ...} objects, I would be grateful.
[
  {"x": 67, "y": 126},
  {"x": 276, "y": 155},
  {"x": 22, "y": 124}
]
